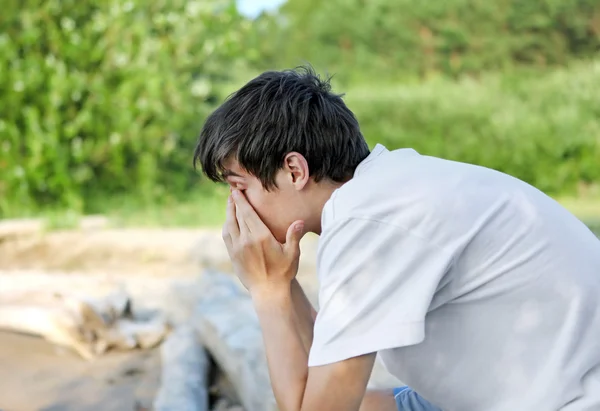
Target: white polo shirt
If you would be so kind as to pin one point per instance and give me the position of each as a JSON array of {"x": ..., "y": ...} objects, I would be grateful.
[{"x": 478, "y": 291}]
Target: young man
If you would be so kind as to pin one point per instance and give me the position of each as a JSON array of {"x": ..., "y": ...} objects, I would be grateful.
[{"x": 476, "y": 289}]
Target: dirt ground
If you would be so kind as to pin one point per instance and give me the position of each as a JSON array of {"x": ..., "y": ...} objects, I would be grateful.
[{"x": 37, "y": 376}]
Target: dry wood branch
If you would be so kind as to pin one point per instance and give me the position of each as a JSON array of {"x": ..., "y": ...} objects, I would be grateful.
[
  {"x": 184, "y": 376},
  {"x": 228, "y": 327}
]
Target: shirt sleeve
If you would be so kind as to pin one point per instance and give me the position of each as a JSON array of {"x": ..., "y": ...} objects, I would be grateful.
[{"x": 377, "y": 281}]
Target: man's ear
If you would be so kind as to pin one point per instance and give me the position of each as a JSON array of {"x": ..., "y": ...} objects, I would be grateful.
[{"x": 296, "y": 168}]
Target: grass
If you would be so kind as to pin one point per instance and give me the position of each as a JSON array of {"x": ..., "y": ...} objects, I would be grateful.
[
  {"x": 61, "y": 220},
  {"x": 204, "y": 208},
  {"x": 542, "y": 129},
  {"x": 587, "y": 209},
  {"x": 584, "y": 208},
  {"x": 207, "y": 209}
]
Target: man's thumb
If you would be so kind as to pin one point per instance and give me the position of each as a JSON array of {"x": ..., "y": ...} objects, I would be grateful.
[{"x": 294, "y": 234}]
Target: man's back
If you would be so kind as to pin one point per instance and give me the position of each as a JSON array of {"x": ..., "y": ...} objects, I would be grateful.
[{"x": 510, "y": 295}]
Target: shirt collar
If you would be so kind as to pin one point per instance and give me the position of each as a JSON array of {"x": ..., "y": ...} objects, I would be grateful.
[{"x": 377, "y": 151}]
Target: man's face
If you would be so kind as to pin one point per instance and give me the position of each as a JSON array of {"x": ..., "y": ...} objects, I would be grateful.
[{"x": 277, "y": 208}]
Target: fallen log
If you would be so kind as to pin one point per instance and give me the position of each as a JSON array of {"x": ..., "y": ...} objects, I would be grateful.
[
  {"x": 184, "y": 375},
  {"x": 227, "y": 325}
]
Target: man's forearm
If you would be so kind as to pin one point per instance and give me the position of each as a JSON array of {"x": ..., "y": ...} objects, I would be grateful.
[
  {"x": 305, "y": 315},
  {"x": 287, "y": 321},
  {"x": 287, "y": 357}
]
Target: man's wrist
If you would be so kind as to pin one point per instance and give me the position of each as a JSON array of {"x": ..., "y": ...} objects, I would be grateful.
[{"x": 271, "y": 294}]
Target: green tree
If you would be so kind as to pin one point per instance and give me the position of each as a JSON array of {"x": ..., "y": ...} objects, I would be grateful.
[
  {"x": 102, "y": 97},
  {"x": 419, "y": 38}
]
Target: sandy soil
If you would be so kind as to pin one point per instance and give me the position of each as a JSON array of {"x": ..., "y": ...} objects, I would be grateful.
[{"x": 35, "y": 375}]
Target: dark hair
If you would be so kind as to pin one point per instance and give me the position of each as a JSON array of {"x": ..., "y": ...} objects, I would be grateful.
[{"x": 274, "y": 114}]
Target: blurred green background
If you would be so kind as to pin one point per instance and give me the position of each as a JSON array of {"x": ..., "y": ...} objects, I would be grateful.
[{"x": 102, "y": 100}]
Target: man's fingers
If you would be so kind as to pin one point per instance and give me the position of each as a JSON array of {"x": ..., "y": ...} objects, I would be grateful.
[
  {"x": 241, "y": 221},
  {"x": 227, "y": 239},
  {"x": 231, "y": 224},
  {"x": 293, "y": 236},
  {"x": 248, "y": 215}
]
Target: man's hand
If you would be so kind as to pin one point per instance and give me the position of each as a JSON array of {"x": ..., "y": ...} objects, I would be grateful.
[
  {"x": 267, "y": 269},
  {"x": 259, "y": 260}
]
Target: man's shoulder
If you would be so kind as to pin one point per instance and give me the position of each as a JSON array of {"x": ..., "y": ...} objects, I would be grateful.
[
  {"x": 392, "y": 189},
  {"x": 428, "y": 196}
]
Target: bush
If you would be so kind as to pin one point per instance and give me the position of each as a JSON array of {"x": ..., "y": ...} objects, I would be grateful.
[
  {"x": 398, "y": 38},
  {"x": 106, "y": 97},
  {"x": 103, "y": 97},
  {"x": 544, "y": 130}
]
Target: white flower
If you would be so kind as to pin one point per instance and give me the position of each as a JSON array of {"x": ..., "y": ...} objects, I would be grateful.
[
  {"x": 114, "y": 138},
  {"x": 201, "y": 88},
  {"x": 19, "y": 86},
  {"x": 67, "y": 24}
]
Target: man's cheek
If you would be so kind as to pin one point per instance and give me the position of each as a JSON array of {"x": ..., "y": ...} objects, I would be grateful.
[
  {"x": 252, "y": 200},
  {"x": 258, "y": 206},
  {"x": 267, "y": 217}
]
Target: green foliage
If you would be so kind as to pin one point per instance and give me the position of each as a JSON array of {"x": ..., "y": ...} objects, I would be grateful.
[
  {"x": 544, "y": 130},
  {"x": 203, "y": 207},
  {"x": 400, "y": 38},
  {"x": 104, "y": 97},
  {"x": 65, "y": 220}
]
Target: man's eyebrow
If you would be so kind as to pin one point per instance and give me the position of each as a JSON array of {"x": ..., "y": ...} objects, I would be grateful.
[{"x": 229, "y": 173}]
